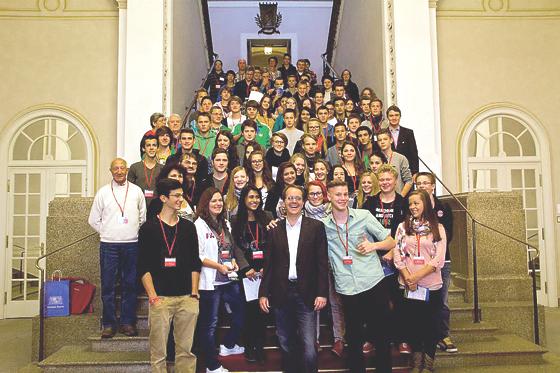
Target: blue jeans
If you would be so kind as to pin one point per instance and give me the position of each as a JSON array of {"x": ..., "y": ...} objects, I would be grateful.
[
  {"x": 115, "y": 258},
  {"x": 208, "y": 320},
  {"x": 443, "y": 323},
  {"x": 296, "y": 320}
]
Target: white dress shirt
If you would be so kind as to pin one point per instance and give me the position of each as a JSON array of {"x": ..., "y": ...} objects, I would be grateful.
[{"x": 293, "y": 240}]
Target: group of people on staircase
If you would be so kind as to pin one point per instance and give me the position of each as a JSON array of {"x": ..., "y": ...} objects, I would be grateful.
[{"x": 281, "y": 195}]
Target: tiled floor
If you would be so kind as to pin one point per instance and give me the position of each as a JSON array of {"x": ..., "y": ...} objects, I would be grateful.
[
  {"x": 15, "y": 341},
  {"x": 15, "y": 344}
]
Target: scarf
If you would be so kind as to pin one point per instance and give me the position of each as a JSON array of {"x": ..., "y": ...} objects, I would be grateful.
[
  {"x": 316, "y": 212},
  {"x": 421, "y": 228}
]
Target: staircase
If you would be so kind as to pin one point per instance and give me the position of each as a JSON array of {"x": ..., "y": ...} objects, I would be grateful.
[
  {"x": 73, "y": 344},
  {"x": 479, "y": 345}
]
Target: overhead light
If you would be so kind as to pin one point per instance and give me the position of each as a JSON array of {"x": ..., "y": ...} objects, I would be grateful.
[{"x": 267, "y": 50}]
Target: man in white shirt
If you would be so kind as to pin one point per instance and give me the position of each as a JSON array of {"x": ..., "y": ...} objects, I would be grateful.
[
  {"x": 295, "y": 282},
  {"x": 118, "y": 211},
  {"x": 291, "y": 132}
]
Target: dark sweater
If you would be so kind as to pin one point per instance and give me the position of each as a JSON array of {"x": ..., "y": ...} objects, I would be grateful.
[{"x": 152, "y": 251}]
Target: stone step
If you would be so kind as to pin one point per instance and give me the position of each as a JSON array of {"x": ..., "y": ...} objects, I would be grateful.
[
  {"x": 461, "y": 331},
  {"x": 504, "y": 349},
  {"x": 456, "y": 295},
  {"x": 71, "y": 359}
]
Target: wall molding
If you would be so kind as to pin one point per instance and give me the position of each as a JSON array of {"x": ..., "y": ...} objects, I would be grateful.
[{"x": 498, "y": 9}]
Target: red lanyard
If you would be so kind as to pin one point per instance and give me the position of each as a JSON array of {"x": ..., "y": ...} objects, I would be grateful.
[
  {"x": 148, "y": 182},
  {"x": 418, "y": 237},
  {"x": 354, "y": 181},
  {"x": 169, "y": 248},
  {"x": 115, "y": 197},
  {"x": 340, "y": 238},
  {"x": 255, "y": 237},
  {"x": 190, "y": 198}
]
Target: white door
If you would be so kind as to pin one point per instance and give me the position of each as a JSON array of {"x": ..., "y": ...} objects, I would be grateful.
[
  {"x": 30, "y": 191},
  {"x": 525, "y": 178}
]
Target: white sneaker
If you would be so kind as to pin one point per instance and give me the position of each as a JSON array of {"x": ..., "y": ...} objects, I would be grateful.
[
  {"x": 235, "y": 350},
  {"x": 217, "y": 370}
]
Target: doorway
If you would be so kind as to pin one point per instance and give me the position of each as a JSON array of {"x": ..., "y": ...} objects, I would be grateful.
[
  {"x": 502, "y": 151},
  {"x": 260, "y": 50},
  {"x": 49, "y": 156}
]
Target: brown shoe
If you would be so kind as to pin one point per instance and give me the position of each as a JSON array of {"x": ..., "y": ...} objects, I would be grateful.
[
  {"x": 338, "y": 348},
  {"x": 367, "y": 348},
  {"x": 129, "y": 330},
  {"x": 108, "y": 332}
]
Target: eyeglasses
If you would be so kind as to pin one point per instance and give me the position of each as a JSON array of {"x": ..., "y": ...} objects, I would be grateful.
[
  {"x": 294, "y": 199},
  {"x": 278, "y": 141},
  {"x": 315, "y": 194},
  {"x": 177, "y": 195}
]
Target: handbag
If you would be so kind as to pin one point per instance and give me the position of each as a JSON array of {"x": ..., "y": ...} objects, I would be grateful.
[{"x": 81, "y": 295}]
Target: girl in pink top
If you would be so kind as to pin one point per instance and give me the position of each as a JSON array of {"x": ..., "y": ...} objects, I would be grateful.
[{"x": 419, "y": 257}]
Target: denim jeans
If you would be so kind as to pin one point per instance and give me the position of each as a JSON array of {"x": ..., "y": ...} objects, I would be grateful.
[
  {"x": 115, "y": 259},
  {"x": 208, "y": 320},
  {"x": 296, "y": 331},
  {"x": 443, "y": 322}
]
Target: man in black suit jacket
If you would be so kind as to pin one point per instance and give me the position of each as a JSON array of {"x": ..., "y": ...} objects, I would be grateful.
[
  {"x": 295, "y": 279},
  {"x": 243, "y": 87},
  {"x": 403, "y": 139}
]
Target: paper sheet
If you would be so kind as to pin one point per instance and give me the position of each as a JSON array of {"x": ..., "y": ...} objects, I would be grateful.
[
  {"x": 251, "y": 288},
  {"x": 419, "y": 294}
]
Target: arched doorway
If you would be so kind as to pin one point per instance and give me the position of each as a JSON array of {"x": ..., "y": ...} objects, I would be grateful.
[
  {"x": 50, "y": 154},
  {"x": 503, "y": 149}
]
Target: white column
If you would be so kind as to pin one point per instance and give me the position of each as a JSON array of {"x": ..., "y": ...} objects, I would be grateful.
[
  {"x": 143, "y": 72},
  {"x": 417, "y": 75},
  {"x": 121, "y": 83}
]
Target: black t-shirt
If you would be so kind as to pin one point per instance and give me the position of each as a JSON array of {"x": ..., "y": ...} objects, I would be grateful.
[
  {"x": 390, "y": 215},
  {"x": 175, "y": 280}
]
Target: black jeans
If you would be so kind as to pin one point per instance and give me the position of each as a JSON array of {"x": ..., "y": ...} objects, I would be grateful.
[
  {"x": 255, "y": 326},
  {"x": 421, "y": 321},
  {"x": 370, "y": 307}
]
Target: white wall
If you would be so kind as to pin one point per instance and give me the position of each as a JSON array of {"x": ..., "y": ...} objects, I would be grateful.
[
  {"x": 359, "y": 46},
  {"x": 145, "y": 78},
  {"x": 189, "y": 57},
  {"x": 306, "y": 23}
]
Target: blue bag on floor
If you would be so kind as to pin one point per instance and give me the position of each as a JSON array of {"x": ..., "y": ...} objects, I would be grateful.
[{"x": 57, "y": 296}]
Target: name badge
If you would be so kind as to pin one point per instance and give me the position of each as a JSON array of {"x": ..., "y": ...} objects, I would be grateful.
[
  {"x": 258, "y": 254},
  {"x": 122, "y": 220},
  {"x": 148, "y": 193},
  {"x": 221, "y": 78},
  {"x": 347, "y": 259},
  {"x": 224, "y": 254},
  {"x": 170, "y": 262},
  {"x": 218, "y": 86},
  {"x": 418, "y": 260}
]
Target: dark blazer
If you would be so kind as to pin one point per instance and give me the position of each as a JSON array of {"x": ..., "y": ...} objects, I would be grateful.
[
  {"x": 407, "y": 146},
  {"x": 311, "y": 263},
  {"x": 242, "y": 89}
]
